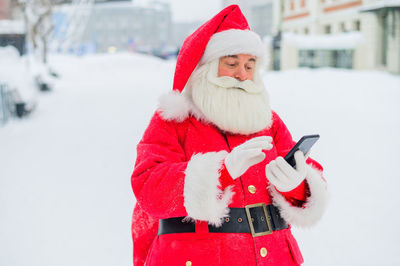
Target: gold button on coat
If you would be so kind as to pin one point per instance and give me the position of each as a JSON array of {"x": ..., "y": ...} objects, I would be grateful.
[
  {"x": 188, "y": 263},
  {"x": 252, "y": 189},
  {"x": 263, "y": 252}
]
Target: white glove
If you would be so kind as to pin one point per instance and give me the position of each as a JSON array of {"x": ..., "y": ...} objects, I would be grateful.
[
  {"x": 283, "y": 176},
  {"x": 246, "y": 155}
]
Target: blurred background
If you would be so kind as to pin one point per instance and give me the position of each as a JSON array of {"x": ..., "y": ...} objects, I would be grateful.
[{"x": 79, "y": 81}]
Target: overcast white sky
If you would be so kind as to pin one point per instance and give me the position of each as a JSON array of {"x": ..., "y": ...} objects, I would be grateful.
[{"x": 190, "y": 10}]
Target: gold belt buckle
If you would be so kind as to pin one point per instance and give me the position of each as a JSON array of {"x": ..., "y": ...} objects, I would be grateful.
[{"x": 267, "y": 219}]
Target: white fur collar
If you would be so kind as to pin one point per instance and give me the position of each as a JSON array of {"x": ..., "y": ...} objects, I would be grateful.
[{"x": 176, "y": 106}]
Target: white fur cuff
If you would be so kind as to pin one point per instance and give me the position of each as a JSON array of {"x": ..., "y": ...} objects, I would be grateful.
[
  {"x": 314, "y": 207},
  {"x": 203, "y": 199}
]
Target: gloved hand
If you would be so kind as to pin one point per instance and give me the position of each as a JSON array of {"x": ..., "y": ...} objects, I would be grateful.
[
  {"x": 283, "y": 176},
  {"x": 246, "y": 155}
]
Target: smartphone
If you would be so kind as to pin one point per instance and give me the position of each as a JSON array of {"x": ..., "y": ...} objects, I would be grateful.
[{"x": 304, "y": 145}]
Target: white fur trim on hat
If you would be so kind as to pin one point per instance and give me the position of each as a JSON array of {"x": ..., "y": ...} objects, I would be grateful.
[
  {"x": 203, "y": 199},
  {"x": 313, "y": 208},
  {"x": 232, "y": 42}
]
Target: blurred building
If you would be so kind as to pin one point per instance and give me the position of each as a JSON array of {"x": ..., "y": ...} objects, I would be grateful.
[
  {"x": 121, "y": 26},
  {"x": 359, "y": 34},
  {"x": 385, "y": 33},
  {"x": 12, "y": 31},
  {"x": 181, "y": 30},
  {"x": 259, "y": 14},
  {"x": 125, "y": 26},
  {"x": 5, "y": 12}
]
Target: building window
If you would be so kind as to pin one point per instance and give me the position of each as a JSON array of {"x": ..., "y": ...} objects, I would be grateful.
[
  {"x": 292, "y": 5},
  {"x": 357, "y": 25},
  {"x": 342, "y": 27},
  {"x": 262, "y": 21},
  {"x": 303, "y": 3},
  {"x": 327, "y": 29},
  {"x": 326, "y": 58},
  {"x": 306, "y": 31},
  {"x": 385, "y": 38}
]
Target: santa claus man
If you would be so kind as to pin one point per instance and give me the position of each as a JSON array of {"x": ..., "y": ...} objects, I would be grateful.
[{"x": 210, "y": 182}]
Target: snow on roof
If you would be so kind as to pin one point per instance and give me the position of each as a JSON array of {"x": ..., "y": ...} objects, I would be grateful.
[
  {"x": 347, "y": 40},
  {"x": 12, "y": 27},
  {"x": 381, "y": 5}
]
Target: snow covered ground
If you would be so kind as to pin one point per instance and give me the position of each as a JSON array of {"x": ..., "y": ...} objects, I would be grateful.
[{"x": 65, "y": 196}]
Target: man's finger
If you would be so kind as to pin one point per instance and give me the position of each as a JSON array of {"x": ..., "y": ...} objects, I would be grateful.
[
  {"x": 262, "y": 144},
  {"x": 300, "y": 161},
  {"x": 284, "y": 166}
]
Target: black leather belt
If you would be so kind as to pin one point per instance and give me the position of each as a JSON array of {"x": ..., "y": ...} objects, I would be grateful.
[{"x": 257, "y": 219}]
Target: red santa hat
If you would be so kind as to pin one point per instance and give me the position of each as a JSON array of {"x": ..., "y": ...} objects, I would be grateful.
[{"x": 227, "y": 33}]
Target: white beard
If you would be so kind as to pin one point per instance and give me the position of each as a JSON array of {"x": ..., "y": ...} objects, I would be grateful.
[{"x": 233, "y": 106}]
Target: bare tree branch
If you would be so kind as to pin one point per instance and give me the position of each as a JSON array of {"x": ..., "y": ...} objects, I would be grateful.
[{"x": 39, "y": 25}]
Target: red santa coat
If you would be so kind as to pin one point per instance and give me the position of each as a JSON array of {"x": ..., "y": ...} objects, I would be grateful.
[{"x": 177, "y": 174}]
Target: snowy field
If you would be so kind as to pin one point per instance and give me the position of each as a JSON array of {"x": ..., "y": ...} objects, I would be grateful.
[{"x": 65, "y": 195}]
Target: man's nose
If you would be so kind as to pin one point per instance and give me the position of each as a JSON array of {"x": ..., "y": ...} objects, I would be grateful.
[{"x": 241, "y": 74}]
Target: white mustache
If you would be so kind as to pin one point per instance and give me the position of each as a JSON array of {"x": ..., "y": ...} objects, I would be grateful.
[{"x": 229, "y": 82}]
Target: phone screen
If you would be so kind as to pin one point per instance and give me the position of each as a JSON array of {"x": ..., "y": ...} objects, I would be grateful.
[{"x": 304, "y": 145}]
